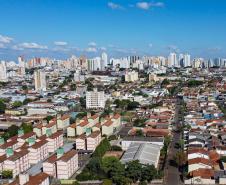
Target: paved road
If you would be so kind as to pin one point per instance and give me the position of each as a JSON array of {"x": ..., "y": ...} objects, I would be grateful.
[{"x": 172, "y": 175}]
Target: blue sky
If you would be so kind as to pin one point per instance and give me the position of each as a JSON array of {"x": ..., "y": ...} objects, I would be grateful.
[{"x": 59, "y": 28}]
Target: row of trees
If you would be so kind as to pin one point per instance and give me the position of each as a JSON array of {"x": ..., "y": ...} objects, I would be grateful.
[
  {"x": 112, "y": 168},
  {"x": 126, "y": 104},
  {"x": 13, "y": 130},
  {"x": 100, "y": 168}
]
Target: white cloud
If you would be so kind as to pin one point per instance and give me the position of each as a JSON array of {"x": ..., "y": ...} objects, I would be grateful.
[
  {"x": 5, "y": 39},
  {"x": 91, "y": 50},
  {"x": 16, "y": 47},
  {"x": 103, "y": 48},
  {"x": 60, "y": 43},
  {"x": 31, "y": 45},
  {"x": 147, "y": 5},
  {"x": 2, "y": 46},
  {"x": 114, "y": 6},
  {"x": 173, "y": 48},
  {"x": 92, "y": 44}
]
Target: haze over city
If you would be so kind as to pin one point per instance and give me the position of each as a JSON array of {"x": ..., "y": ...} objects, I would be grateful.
[
  {"x": 112, "y": 92},
  {"x": 59, "y": 28}
]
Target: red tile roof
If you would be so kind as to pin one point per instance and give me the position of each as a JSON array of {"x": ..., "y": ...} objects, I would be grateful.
[
  {"x": 67, "y": 156},
  {"x": 203, "y": 173},
  {"x": 199, "y": 160}
]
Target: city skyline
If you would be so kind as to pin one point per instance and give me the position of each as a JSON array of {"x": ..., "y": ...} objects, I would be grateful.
[{"x": 62, "y": 28}]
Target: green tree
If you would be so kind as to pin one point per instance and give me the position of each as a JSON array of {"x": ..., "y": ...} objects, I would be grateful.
[
  {"x": 7, "y": 174},
  {"x": 94, "y": 165},
  {"x": 180, "y": 158},
  {"x": 49, "y": 117},
  {"x": 139, "y": 122},
  {"x": 142, "y": 183},
  {"x": 133, "y": 105},
  {"x": 17, "y": 104},
  {"x": 82, "y": 102},
  {"x": 133, "y": 170},
  {"x": 26, "y": 101},
  {"x": 148, "y": 173},
  {"x": 165, "y": 82},
  {"x": 139, "y": 133},
  {"x": 27, "y": 127},
  {"x": 116, "y": 148},
  {"x": 25, "y": 87},
  {"x": 114, "y": 169},
  {"x": 12, "y": 131},
  {"x": 102, "y": 148},
  {"x": 2, "y": 106}
]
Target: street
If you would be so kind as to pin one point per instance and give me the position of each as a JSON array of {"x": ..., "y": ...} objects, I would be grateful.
[{"x": 172, "y": 175}]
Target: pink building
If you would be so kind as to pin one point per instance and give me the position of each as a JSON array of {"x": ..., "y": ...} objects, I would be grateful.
[
  {"x": 67, "y": 165},
  {"x": 38, "y": 151},
  {"x": 2, "y": 159},
  {"x": 13, "y": 143},
  {"x": 81, "y": 142},
  {"x": 93, "y": 140},
  {"x": 17, "y": 162},
  {"x": 25, "y": 179},
  {"x": 25, "y": 137},
  {"x": 55, "y": 141},
  {"x": 49, "y": 166}
]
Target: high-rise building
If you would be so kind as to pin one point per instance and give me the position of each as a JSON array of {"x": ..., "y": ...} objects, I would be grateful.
[
  {"x": 22, "y": 66},
  {"x": 3, "y": 71},
  {"x": 131, "y": 76},
  {"x": 94, "y": 64},
  {"x": 95, "y": 99},
  {"x": 187, "y": 60},
  {"x": 78, "y": 77},
  {"x": 40, "y": 80},
  {"x": 104, "y": 58},
  {"x": 172, "y": 60}
]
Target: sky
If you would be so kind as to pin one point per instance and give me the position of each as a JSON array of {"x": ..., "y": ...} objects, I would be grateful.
[{"x": 60, "y": 28}]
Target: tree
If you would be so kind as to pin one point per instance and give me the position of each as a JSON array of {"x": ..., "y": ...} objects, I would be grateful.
[
  {"x": 2, "y": 106},
  {"x": 25, "y": 87},
  {"x": 139, "y": 133},
  {"x": 114, "y": 169},
  {"x": 142, "y": 183},
  {"x": 49, "y": 100},
  {"x": 27, "y": 127},
  {"x": 102, "y": 148},
  {"x": 81, "y": 115},
  {"x": 133, "y": 170},
  {"x": 165, "y": 82},
  {"x": 82, "y": 102},
  {"x": 194, "y": 83},
  {"x": 73, "y": 87},
  {"x": 180, "y": 158},
  {"x": 94, "y": 165},
  {"x": 133, "y": 105},
  {"x": 139, "y": 122},
  {"x": 12, "y": 131},
  {"x": 116, "y": 148},
  {"x": 167, "y": 140},
  {"x": 26, "y": 101},
  {"x": 17, "y": 104},
  {"x": 7, "y": 174},
  {"x": 148, "y": 173},
  {"x": 49, "y": 117}
]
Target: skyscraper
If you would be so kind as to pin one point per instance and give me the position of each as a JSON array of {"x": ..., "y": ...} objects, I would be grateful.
[
  {"x": 187, "y": 60},
  {"x": 3, "y": 71},
  {"x": 21, "y": 65},
  {"x": 104, "y": 58},
  {"x": 40, "y": 80},
  {"x": 172, "y": 60}
]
